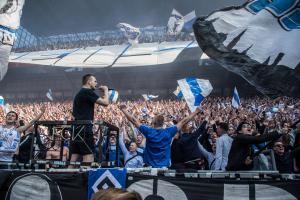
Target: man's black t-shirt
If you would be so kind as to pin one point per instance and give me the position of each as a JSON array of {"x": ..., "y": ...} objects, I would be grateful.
[{"x": 83, "y": 105}]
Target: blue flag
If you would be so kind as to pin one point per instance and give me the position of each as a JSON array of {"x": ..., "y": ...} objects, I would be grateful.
[
  {"x": 113, "y": 96},
  {"x": 1, "y": 101},
  {"x": 178, "y": 93},
  {"x": 194, "y": 91},
  {"x": 105, "y": 178}
]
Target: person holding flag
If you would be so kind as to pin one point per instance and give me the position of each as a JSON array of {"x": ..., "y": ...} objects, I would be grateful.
[{"x": 235, "y": 102}]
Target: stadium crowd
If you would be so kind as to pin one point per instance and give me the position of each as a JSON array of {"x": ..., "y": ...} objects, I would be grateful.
[{"x": 219, "y": 138}]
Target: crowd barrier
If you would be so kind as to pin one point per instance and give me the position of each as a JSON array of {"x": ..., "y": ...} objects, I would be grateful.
[{"x": 151, "y": 183}]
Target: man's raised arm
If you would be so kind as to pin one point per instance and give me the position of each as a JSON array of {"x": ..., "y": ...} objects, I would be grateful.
[
  {"x": 27, "y": 126},
  {"x": 132, "y": 119},
  {"x": 187, "y": 119},
  {"x": 104, "y": 101}
]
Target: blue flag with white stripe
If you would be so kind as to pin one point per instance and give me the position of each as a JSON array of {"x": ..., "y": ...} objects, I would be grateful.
[
  {"x": 1, "y": 101},
  {"x": 235, "y": 102},
  {"x": 178, "y": 93},
  {"x": 113, "y": 96},
  {"x": 105, "y": 178},
  {"x": 194, "y": 91}
]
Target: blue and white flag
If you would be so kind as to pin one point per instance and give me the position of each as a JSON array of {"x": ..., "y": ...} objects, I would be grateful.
[
  {"x": 189, "y": 20},
  {"x": 2, "y": 103},
  {"x": 49, "y": 95},
  {"x": 178, "y": 93},
  {"x": 113, "y": 96},
  {"x": 178, "y": 23},
  {"x": 235, "y": 102},
  {"x": 258, "y": 41},
  {"x": 131, "y": 33},
  {"x": 149, "y": 97},
  {"x": 194, "y": 91},
  {"x": 105, "y": 178}
]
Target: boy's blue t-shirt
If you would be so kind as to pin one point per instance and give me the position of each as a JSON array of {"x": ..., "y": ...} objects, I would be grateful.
[{"x": 158, "y": 145}]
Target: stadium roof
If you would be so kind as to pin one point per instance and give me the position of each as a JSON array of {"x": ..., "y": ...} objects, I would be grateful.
[{"x": 52, "y": 17}]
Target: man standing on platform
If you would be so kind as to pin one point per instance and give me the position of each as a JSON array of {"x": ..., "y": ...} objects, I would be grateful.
[{"x": 82, "y": 143}]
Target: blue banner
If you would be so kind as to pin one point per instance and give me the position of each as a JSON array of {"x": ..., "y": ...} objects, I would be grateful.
[{"x": 104, "y": 179}]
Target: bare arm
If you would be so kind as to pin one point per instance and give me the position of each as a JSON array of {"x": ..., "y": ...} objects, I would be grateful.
[
  {"x": 27, "y": 126},
  {"x": 134, "y": 131},
  {"x": 187, "y": 119},
  {"x": 104, "y": 101},
  {"x": 132, "y": 119}
]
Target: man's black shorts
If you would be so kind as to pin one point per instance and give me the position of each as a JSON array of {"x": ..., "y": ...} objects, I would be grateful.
[{"x": 82, "y": 141}]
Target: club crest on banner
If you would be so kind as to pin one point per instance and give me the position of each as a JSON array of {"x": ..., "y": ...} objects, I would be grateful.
[{"x": 105, "y": 178}]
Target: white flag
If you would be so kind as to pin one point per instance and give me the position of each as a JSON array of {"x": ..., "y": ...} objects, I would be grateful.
[
  {"x": 49, "y": 95},
  {"x": 131, "y": 33},
  {"x": 149, "y": 97},
  {"x": 175, "y": 23}
]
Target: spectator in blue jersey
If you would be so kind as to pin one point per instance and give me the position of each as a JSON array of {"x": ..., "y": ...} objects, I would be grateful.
[
  {"x": 10, "y": 135},
  {"x": 158, "y": 139}
]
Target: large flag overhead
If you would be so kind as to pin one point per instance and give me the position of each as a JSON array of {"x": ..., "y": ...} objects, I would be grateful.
[
  {"x": 10, "y": 15},
  {"x": 194, "y": 91},
  {"x": 131, "y": 33},
  {"x": 235, "y": 102},
  {"x": 259, "y": 41}
]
